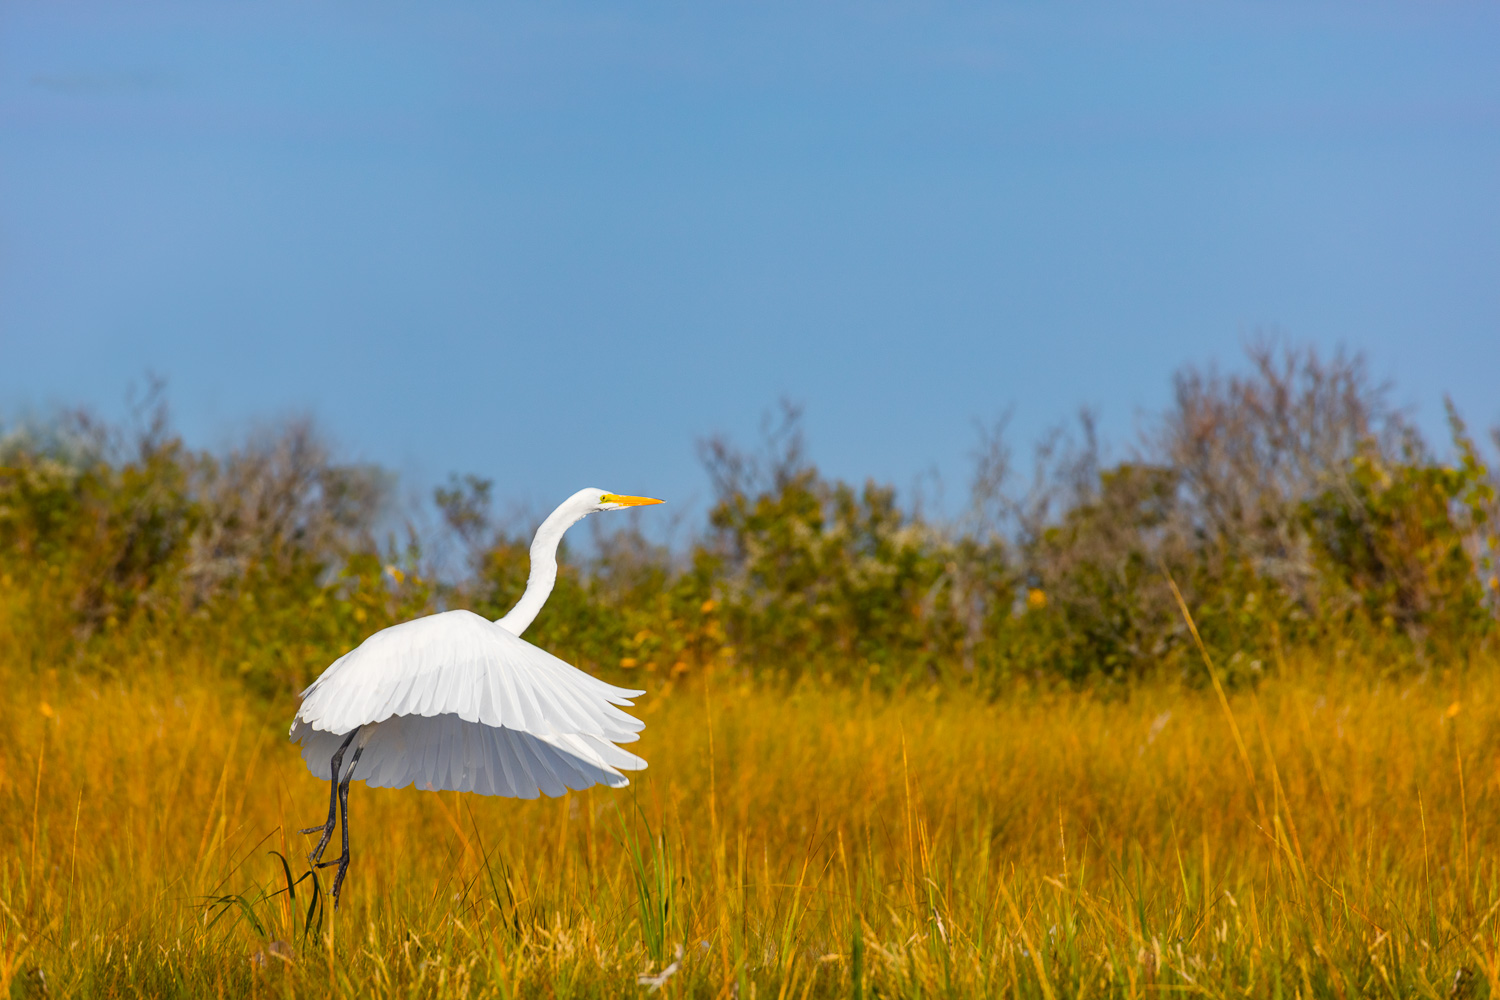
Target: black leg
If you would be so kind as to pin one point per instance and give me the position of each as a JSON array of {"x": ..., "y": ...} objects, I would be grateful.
[
  {"x": 343, "y": 860},
  {"x": 333, "y": 797}
]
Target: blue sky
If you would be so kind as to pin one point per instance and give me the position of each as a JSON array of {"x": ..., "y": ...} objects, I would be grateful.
[{"x": 556, "y": 244}]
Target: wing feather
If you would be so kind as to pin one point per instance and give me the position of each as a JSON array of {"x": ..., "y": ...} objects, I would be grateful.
[
  {"x": 528, "y": 784},
  {"x": 509, "y": 704},
  {"x": 491, "y": 780},
  {"x": 547, "y": 780},
  {"x": 496, "y": 775},
  {"x": 457, "y": 663},
  {"x": 454, "y": 702},
  {"x": 427, "y": 754},
  {"x": 446, "y": 753}
]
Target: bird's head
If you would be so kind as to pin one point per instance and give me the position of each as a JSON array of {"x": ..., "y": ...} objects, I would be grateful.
[
  {"x": 619, "y": 501},
  {"x": 593, "y": 500},
  {"x": 580, "y": 505}
]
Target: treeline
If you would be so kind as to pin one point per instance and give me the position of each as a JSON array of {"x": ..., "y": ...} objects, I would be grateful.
[{"x": 1291, "y": 505}]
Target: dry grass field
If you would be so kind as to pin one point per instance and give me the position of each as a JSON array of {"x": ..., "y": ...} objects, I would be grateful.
[{"x": 1338, "y": 838}]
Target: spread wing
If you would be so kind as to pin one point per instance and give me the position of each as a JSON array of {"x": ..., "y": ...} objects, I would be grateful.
[
  {"x": 458, "y": 663},
  {"x": 445, "y": 753},
  {"x": 455, "y": 702}
]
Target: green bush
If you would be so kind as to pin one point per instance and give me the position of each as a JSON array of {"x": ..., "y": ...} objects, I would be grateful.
[{"x": 1289, "y": 505}]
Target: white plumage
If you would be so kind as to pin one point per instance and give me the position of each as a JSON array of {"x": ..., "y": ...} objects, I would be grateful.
[{"x": 456, "y": 702}]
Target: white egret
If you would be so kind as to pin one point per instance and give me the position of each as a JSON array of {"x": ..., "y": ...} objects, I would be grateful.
[{"x": 454, "y": 701}]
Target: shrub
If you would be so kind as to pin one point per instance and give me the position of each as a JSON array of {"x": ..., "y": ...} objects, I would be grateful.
[{"x": 1290, "y": 505}]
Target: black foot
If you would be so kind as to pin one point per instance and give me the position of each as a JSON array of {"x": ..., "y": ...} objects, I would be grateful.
[
  {"x": 317, "y": 852},
  {"x": 338, "y": 882}
]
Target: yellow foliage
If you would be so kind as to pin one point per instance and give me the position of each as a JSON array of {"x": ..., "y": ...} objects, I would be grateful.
[{"x": 1048, "y": 844}]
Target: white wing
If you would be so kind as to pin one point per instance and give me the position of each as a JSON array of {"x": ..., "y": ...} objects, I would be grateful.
[
  {"x": 457, "y": 663},
  {"x": 445, "y": 753},
  {"x": 455, "y": 702}
]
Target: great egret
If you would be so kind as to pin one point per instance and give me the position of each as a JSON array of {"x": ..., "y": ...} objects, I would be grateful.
[{"x": 454, "y": 701}]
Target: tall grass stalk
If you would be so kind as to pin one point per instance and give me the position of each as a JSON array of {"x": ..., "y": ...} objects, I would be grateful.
[{"x": 811, "y": 842}]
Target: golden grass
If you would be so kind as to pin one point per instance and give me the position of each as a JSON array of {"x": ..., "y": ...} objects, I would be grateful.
[{"x": 814, "y": 844}]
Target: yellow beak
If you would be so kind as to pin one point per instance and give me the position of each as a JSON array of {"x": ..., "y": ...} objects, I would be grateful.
[{"x": 628, "y": 501}]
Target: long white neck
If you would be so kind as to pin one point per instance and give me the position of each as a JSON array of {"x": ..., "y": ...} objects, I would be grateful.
[{"x": 543, "y": 566}]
